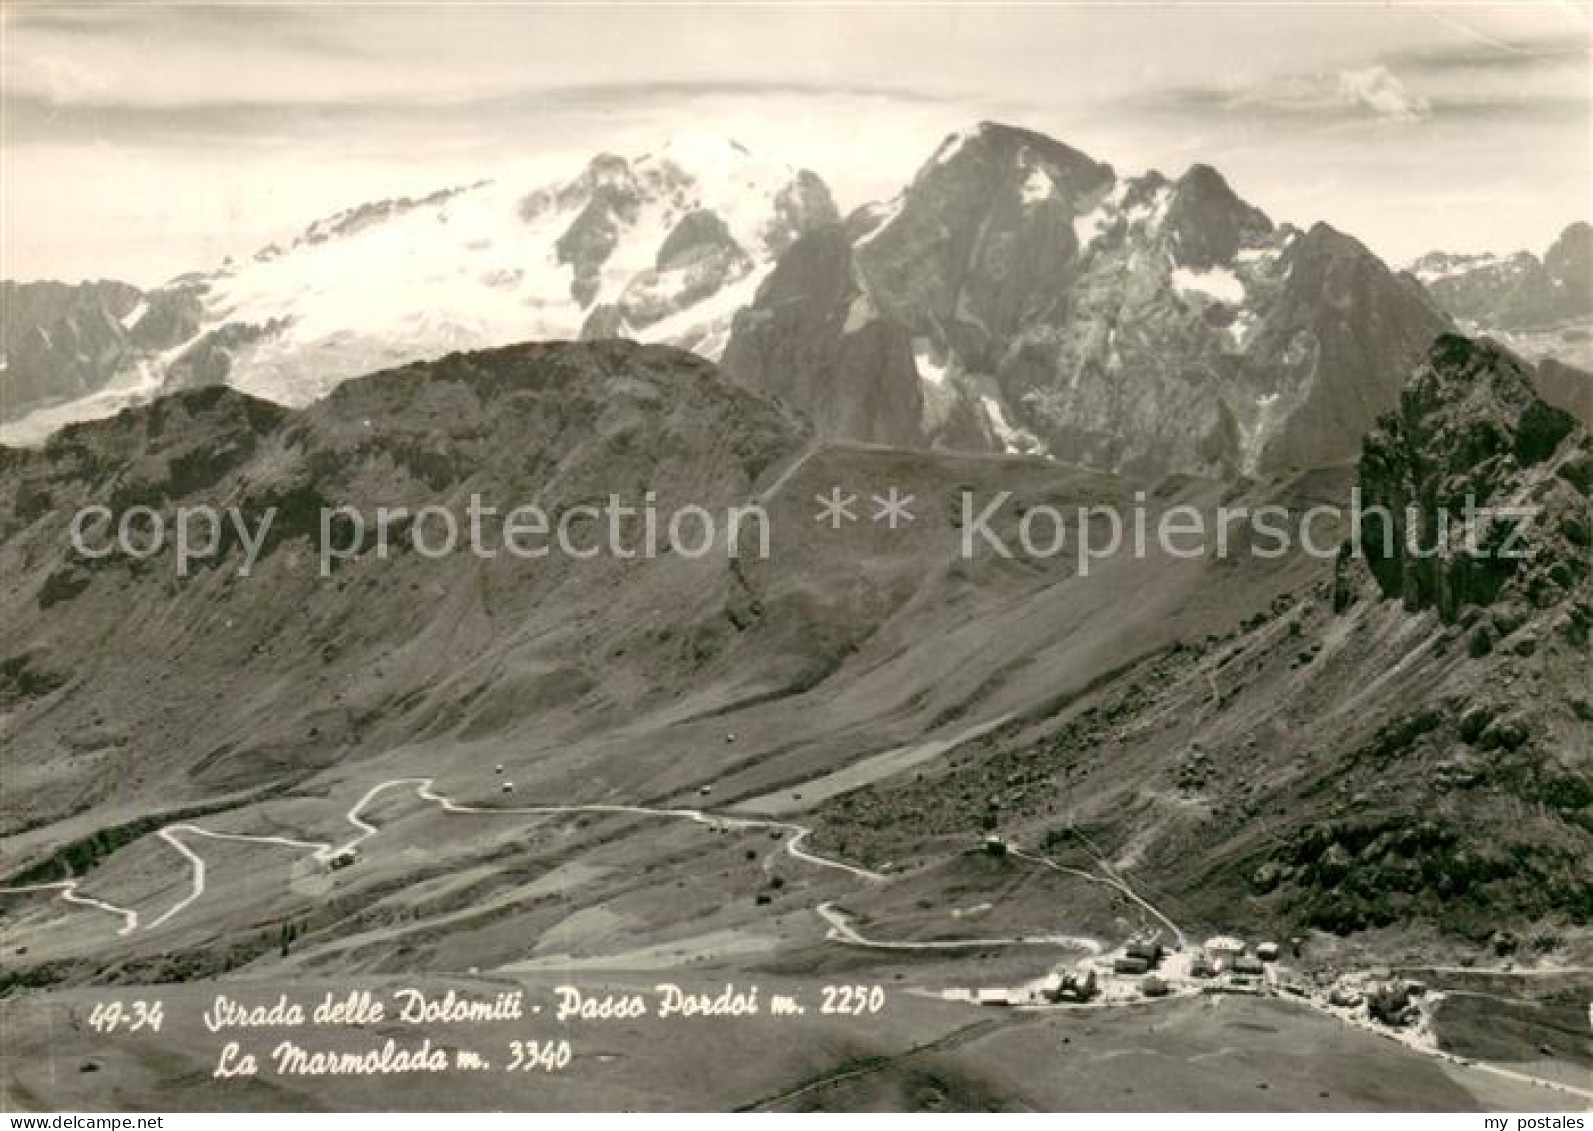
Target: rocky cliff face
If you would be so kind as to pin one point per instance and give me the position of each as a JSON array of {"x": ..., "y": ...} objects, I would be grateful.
[
  {"x": 1362, "y": 748},
  {"x": 1541, "y": 307},
  {"x": 812, "y": 340},
  {"x": 1519, "y": 291},
  {"x": 1471, "y": 435},
  {"x": 664, "y": 246},
  {"x": 1470, "y": 802},
  {"x": 981, "y": 243},
  {"x": 1569, "y": 263},
  {"x": 1566, "y": 386},
  {"x": 1126, "y": 323},
  {"x": 1335, "y": 344},
  {"x": 63, "y": 341}
]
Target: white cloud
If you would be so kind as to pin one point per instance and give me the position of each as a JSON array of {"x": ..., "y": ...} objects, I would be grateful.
[
  {"x": 142, "y": 140},
  {"x": 1371, "y": 91},
  {"x": 1379, "y": 90}
]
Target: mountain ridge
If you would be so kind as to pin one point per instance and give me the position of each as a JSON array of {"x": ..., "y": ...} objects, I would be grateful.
[
  {"x": 1540, "y": 305},
  {"x": 1017, "y": 295},
  {"x": 1056, "y": 307},
  {"x": 471, "y": 266}
]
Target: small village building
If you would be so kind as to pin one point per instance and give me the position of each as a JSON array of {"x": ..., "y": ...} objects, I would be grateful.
[
  {"x": 1075, "y": 987},
  {"x": 1150, "y": 951},
  {"x": 1249, "y": 965},
  {"x": 1267, "y": 951},
  {"x": 1225, "y": 946},
  {"x": 1128, "y": 964},
  {"x": 344, "y": 859},
  {"x": 1154, "y": 987}
]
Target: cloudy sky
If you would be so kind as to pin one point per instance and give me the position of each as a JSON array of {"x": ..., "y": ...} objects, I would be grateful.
[{"x": 142, "y": 141}]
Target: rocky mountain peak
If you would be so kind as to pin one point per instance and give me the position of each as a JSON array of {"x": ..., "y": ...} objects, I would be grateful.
[
  {"x": 812, "y": 340},
  {"x": 59, "y": 340},
  {"x": 699, "y": 234},
  {"x": 1543, "y": 307},
  {"x": 993, "y": 152},
  {"x": 1471, "y": 435},
  {"x": 1123, "y": 323},
  {"x": 606, "y": 176},
  {"x": 1569, "y": 262},
  {"x": 1466, "y": 377},
  {"x": 982, "y": 240},
  {"x": 1207, "y": 222},
  {"x": 802, "y": 205},
  {"x": 1324, "y": 239},
  {"x": 1574, "y": 244},
  {"x": 662, "y": 246}
]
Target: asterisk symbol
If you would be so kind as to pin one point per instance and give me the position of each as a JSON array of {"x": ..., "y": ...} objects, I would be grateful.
[
  {"x": 891, "y": 508},
  {"x": 835, "y": 508}
]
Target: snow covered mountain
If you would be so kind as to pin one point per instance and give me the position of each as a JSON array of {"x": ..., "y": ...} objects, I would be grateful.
[
  {"x": 663, "y": 247},
  {"x": 60, "y": 341},
  {"x": 1541, "y": 307},
  {"x": 1515, "y": 291},
  {"x": 1019, "y": 295}
]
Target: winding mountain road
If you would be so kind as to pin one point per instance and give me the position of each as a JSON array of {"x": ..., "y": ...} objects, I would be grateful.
[
  {"x": 840, "y": 927},
  {"x": 325, "y": 851},
  {"x": 68, "y": 890}
]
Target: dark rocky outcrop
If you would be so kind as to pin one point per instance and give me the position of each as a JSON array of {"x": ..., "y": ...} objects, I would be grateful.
[
  {"x": 1566, "y": 386},
  {"x": 801, "y": 206},
  {"x": 63, "y": 340},
  {"x": 1469, "y": 438},
  {"x": 1207, "y": 223},
  {"x": 209, "y": 360},
  {"x": 612, "y": 197},
  {"x": 696, "y": 259},
  {"x": 699, "y": 235},
  {"x": 1343, "y": 334},
  {"x": 1140, "y": 324},
  {"x": 812, "y": 341}
]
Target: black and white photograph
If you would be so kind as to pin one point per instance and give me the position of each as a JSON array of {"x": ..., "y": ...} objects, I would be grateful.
[{"x": 913, "y": 557}]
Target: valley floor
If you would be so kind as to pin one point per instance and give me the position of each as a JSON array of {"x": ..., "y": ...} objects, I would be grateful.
[{"x": 932, "y": 1043}]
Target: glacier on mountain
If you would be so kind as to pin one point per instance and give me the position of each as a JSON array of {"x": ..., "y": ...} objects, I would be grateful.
[{"x": 477, "y": 266}]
